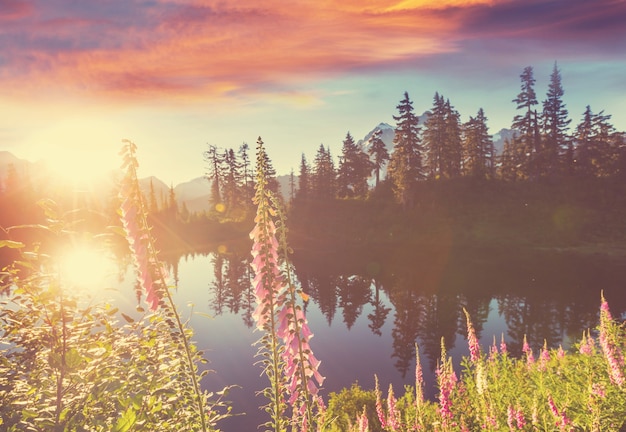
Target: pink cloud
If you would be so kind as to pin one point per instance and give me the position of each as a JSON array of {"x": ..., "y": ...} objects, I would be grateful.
[
  {"x": 212, "y": 48},
  {"x": 14, "y": 9}
]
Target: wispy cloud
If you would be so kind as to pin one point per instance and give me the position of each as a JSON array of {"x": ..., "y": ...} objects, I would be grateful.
[{"x": 138, "y": 48}]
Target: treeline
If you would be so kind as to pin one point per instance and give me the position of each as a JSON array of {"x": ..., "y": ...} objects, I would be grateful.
[
  {"x": 440, "y": 149},
  {"x": 543, "y": 147}
]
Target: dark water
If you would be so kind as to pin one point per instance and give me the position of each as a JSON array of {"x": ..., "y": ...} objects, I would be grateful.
[{"x": 368, "y": 308}]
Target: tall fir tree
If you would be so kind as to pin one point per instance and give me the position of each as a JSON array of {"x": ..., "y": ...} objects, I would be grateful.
[
  {"x": 557, "y": 153},
  {"x": 527, "y": 140},
  {"x": 453, "y": 148},
  {"x": 354, "y": 169},
  {"x": 596, "y": 145},
  {"x": 214, "y": 174},
  {"x": 324, "y": 175},
  {"x": 248, "y": 174},
  {"x": 405, "y": 165},
  {"x": 378, "y": 151},
  {"x": 232, "y": 181},
  {"x": 304, "y": 179},
  {"x": 478, "y": 148}
]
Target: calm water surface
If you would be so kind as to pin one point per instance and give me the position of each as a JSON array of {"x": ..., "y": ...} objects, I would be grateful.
[{"x": 367, "y": 310}]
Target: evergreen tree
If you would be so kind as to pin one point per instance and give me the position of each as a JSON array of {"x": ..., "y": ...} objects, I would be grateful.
[
  {"x": 248, "y": 175},
  {"x": 304, "y": 180},
  {"x": 292, "y": 185},
  {"x": 526, "y": 125},
  {"x": 513, "y": 161},
  {"x": 442, "y": 140},
  {"x": 405, "y": 165},
  {"x": 453, "y": 149},
  {"x": 324, "y": 176},
  {"x": 270, "y": 174},
  {"x": 214, "y": 173},
  {"x": 232, "y": 181},
  {"x": 557, "y": 147},
  {"x": 378, "y": 150},
  {"x": 597, "y": 145},
  {"x": 172, "y": 205},
  {"x": 435, "y": 135},
  {"x": 354, "y": 169},
  {"x": 153, "y": 207},
  {"x": 479, "y": 153}
]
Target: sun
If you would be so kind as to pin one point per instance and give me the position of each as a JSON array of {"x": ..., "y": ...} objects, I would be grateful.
[{"x": 85, "y": 267}]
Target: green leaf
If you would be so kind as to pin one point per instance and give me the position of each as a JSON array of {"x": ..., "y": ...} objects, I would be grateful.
[
  {"x": 128, "y": 319},
  {"x": 125, "y": 422},
  {"x": 11, "y": 244}
]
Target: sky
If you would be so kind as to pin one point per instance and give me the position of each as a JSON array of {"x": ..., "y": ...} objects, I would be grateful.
[{"x": 175, "y": 76}]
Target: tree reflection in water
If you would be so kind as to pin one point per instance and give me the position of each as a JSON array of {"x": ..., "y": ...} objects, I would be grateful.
[{"x": 548, "y": 297}]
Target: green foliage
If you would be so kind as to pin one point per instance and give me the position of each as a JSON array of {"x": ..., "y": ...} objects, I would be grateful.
[
  {"x": 69, "y": 365},
  {"x": 550, "y": 391},
  {"x": 344, "y": 407}
]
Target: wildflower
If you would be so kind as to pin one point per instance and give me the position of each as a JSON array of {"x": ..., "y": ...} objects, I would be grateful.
[
  {"x": 519, "y": 418},
  {"x": 393, "y": 415},
  {"x": 598, "y": 390},
  {"x": 151, "y": 274},
  {"x": 379, "y": 405},
  {"x": 446, "y": 379},
  {"x": 611, "y": 351},
  {"x": 474, "y": 347},
  {"x": 481, "y": 379},
  {"x": 510, "y": 417},
  {"x": 493, "y": 350},
  {"x": 587, "y": 344},
  {"x": 528, "y": 351},
  {"x": 419, "y": 379},
  {"x": 363, "y": 425},
  {"x": 544, "y": 356},
  {"x": 502, "y": 344},
  {"x": 563, "y": 421},
  {"x": 560, "y": 354}
]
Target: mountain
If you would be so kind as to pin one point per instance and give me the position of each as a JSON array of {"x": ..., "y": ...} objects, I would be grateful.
[
  {"x": 387, "y": 135},
  {"x": 22, "y": 167},
  {"x": 501, "y": 136}
]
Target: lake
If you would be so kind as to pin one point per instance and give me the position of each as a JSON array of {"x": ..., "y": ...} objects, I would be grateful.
[{"x": 368, "y": 308}]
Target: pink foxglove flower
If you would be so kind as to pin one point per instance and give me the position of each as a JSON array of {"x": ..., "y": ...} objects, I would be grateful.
[
  {"x": 393, "y": 415},
  {"x": 446, "y": 379},
  {"x": 379, "y": 405},
  {"x": 474, "y": 347},
  {"x": 363, "y": 425},
  {"x": 419, "y": 379},
  {"x": 612, "y": 353}
]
